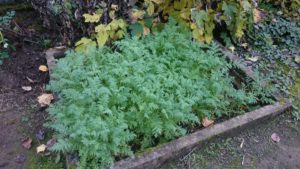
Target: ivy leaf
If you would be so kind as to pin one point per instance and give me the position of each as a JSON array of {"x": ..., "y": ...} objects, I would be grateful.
[
  {"x": 229, "y": 11},
  {"x": 92, "y": 18},
  {"x": 83, "y": 41},
  {"x": 179, "y": 5},
  {"x": 200, "y": 18},
  {"x": 136, "y": 14},
  {"x": 120, "y": 34},
  {"x": 198, "y": 34},
  {"x": 148, "y": 22},
  {"x": 150, "y": 9},
  {"x": 185, "y": 14},
  {"x": 83, "y": 44},
  {"x": 100, "y": 28},
  {"x": 137, "y": 29},
  {"x": 246, "y": 5},
  {"x": 122, "y": 24},
  {"x": 102, "y": 38}
]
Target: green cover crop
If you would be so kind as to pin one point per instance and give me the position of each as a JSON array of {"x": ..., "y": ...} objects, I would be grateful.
[{"x": 141, "y": 93}]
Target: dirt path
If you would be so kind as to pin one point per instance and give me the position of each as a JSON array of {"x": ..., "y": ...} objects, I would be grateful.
[
  {"x": 258, "y": 150},
  {"x": 19, "y": 115}
]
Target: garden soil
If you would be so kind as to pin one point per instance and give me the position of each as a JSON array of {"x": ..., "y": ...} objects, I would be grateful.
[{"x": 20, "y": 117}]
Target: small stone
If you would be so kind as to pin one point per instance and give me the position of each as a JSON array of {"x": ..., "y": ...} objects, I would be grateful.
[
  {"x": 51, "y": 142},
  {"x": 20, "y": 158},
  {"x": 4, "y": 164},
  {"x": 40, "y": 135}
]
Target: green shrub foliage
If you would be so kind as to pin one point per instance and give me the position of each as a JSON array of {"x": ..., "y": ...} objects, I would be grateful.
[{"x": 143, "y": 93}]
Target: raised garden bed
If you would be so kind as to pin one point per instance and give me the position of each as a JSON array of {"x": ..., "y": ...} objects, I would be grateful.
[
  {"x": 152, "y": 158},
  {"x": 158, "y": 155}
]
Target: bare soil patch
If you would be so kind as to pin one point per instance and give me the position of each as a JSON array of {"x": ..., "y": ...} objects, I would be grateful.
[{"x": 19, "y": 115}]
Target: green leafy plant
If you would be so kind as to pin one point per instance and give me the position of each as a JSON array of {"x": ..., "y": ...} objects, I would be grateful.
[
  {"x": 6, "y": 19},
  {"x": 278, "y": 31},
  {"x": 4, "y": 45},
  {"x": 290, "y": 8},
  {"x": 141, "y": 93},
  {"x": 275, "y": 41},
  {"x": 78, "y": 18}
]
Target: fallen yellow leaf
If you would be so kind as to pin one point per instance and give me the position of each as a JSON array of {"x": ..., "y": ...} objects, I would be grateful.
[
  {"x": 43, "y": 68},
  {"x": 92, "y": 18},
  {"x": 114, "y": 7},
  {"x": 232, "y": 48},
  {"x": 45, "y": 99},
  {"x": 207, "y": 122},
  {"x": 41, "y": 148},
  {"x": 253, "y": 59},
  {"x": 245, "y": 45},
  {"x": 27, "y": 88}
]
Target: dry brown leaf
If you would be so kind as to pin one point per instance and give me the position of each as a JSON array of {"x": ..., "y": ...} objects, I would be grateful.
[
  {"x": 27, "y": 88},
  {"x": 136, "y": 14},
  {"x": 207, "y": 122},
  {"x": 45, "y": 99},
  {"x": 275, "y": 137},
  {"x": 258, "y": 15},
  {"x": 26, "y": 143},
  {"x": 41, "y": 148},
  {"x": 146, "y": 31},
  {"x": 43, "y": 68}
]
